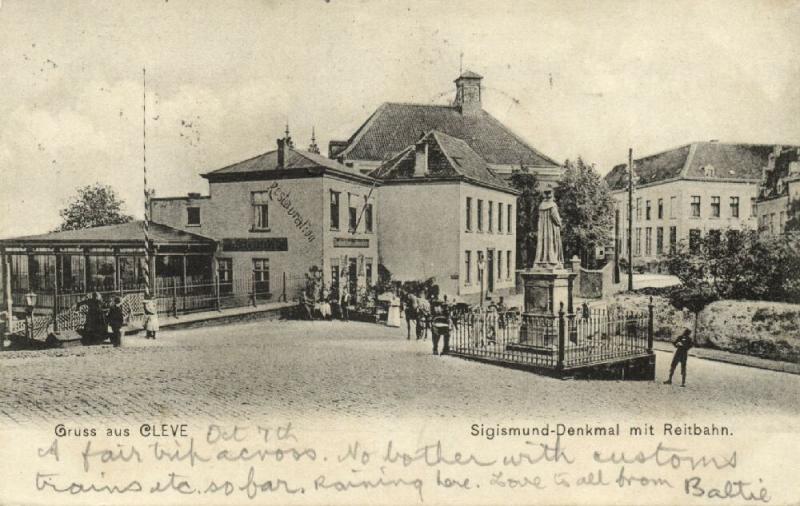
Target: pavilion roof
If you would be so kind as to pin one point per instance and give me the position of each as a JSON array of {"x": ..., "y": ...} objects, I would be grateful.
[{"x": 121, "y": 235}]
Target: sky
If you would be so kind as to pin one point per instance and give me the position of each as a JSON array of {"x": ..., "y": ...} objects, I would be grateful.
[{"x": 587, "y": 79}]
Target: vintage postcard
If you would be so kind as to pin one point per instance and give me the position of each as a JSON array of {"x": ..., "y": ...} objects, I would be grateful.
[{"x": 413, "y": 252}]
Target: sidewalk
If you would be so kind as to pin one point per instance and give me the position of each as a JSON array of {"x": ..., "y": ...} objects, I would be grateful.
[
  {"x": 213, "y": 317},
  {"x": 733, "y": 358}
]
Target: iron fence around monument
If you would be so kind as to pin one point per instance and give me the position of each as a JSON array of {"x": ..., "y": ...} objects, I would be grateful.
[
  {"x": 557, "y": 342},
  {"x": 502, "y": 337}
]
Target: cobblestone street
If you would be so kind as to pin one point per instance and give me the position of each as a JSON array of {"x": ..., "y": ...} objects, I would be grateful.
[{"x": 345, "y": 369}]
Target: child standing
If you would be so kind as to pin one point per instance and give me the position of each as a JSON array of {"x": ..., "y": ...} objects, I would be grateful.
[
  {"x": 150, "y": 319},
  {"x": 682, "y": 346}
]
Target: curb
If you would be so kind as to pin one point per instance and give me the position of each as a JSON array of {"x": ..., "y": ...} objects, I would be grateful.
[{"x": 733, "y": 358}]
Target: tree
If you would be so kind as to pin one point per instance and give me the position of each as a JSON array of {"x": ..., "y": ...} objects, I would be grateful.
[
  {"x": 741, "y": 264},
  {"x": 587, "y": 210},
  {"x": 93, "y": 206},
  {"x": 527, "y": 212}
]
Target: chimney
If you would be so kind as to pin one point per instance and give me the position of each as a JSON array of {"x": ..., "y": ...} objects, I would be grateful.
[
  {"x": 421, "y": 160},
  {"x": 468, "y": 93},
  {"x": 281, "y": 154}
]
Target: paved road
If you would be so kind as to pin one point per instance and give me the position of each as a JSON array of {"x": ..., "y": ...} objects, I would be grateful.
[{"x": 345, "y": 369}]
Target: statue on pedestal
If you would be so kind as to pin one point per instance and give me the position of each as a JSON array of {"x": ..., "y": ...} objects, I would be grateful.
[
  {"x": 549, "y": 252},
  {"x": 548, "y": 286}
]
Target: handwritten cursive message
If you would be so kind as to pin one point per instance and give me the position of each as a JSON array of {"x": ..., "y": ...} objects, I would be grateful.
[{"x": 230, "y": 463}]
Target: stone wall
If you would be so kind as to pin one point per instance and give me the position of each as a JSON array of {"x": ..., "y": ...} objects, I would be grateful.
[
  {"x": 757, "y": 328},
  {"x": 668, "y": 322},
  {"x": 598, "y": 283}
]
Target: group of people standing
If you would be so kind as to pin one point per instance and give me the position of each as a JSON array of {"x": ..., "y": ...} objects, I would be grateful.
[
  {"x": 325, "y": 304},
  {"x": 101, "y": 317}
]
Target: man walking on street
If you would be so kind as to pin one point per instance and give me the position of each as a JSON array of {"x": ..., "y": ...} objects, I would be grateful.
[
  {"x": 682, "y": 346},
  {"x": 440, "y": 326}
]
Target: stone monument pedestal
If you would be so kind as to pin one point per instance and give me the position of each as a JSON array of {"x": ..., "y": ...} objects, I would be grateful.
[{"x": 547, "y": 290}]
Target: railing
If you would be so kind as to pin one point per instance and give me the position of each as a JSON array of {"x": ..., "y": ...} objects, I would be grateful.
[
  {"x": 65, "y": 311},
  {"x": 556, "y": 342},
  {"x": 504, "y": 337},
  {"x": 72, "y": 318}
]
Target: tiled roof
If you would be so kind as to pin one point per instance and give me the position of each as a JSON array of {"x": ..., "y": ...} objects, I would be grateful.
[
  {"x": 698, "y": 160},
  {"x": 393, "y": 127},
  {"x": 448, "y": 157},
  {"x": 737, "y": 161},
  {"x": 131, "y": 232},
  {"x": 661, "y": 166},
  {"x": 617, "y": 178},
  {"x": 295, "y": 159}
]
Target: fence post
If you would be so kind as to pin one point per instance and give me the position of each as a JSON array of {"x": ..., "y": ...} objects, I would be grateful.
[
  {"x": 174, "y": 300},
  {"x": 650, "y": 326},
  {"x": 216, "y": 291},
  {"x": 283, "y": 294},
  {"x": 253, "y": 292},
  {"x": 561, "y": 340},
  {"x": 55, "y": 304}
]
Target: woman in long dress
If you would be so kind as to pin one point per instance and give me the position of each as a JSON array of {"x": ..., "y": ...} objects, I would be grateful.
[{"x": 393, "y": 317}]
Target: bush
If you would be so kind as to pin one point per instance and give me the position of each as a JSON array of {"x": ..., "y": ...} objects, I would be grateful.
[{"x": 740, "y": 264}]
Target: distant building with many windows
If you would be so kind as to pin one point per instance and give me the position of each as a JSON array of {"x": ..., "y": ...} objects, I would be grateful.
[{"x": 687, "y": 192}]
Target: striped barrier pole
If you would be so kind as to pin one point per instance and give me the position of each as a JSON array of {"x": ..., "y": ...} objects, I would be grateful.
[{"x": 146, "y": 191}]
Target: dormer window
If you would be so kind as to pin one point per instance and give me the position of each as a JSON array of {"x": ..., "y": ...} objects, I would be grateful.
[{"x": 708, "y": 171}]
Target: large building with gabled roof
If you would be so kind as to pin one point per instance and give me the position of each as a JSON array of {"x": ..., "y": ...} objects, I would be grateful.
[
  {"x": 686, "y": 192},
  {"x": 445, "y": 214},
  {"x": 395, "y": 126},
  {"x": 278, "y": 214}
]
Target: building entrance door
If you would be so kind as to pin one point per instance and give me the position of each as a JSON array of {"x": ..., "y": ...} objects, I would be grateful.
[
  {"x": 352, "y": 278},
  {"x": 490, "y": 270}
]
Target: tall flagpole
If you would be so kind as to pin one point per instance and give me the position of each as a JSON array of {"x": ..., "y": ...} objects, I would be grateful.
[{"x": 146, "y": 192}]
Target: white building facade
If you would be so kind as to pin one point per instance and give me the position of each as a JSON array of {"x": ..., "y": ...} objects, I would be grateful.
[
  {"x": 277, "y": 215},
  {"x": 686, "y": 193}
]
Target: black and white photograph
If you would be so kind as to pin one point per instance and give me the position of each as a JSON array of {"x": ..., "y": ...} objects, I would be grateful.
[{"x": 415, "y": 252}]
